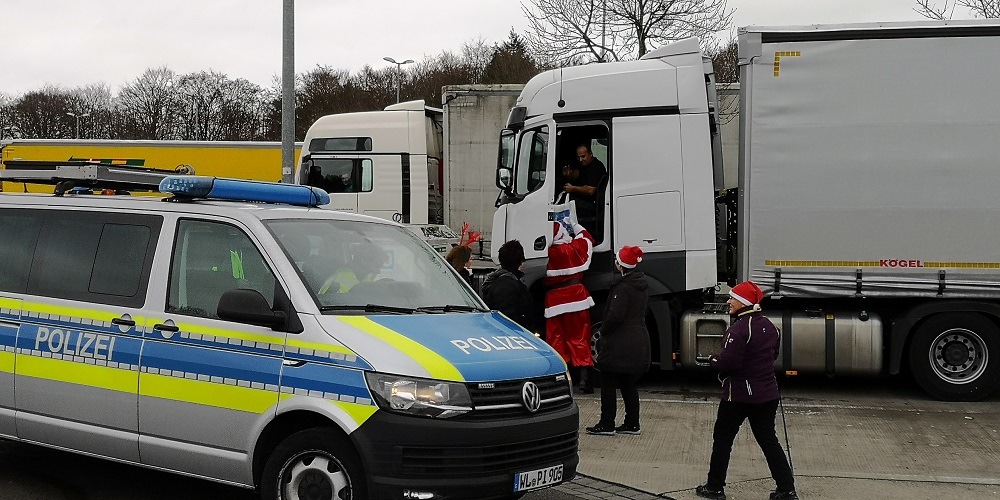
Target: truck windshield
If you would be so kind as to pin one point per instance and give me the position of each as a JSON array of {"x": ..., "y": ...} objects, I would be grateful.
[{"x": 348, "y": 264}]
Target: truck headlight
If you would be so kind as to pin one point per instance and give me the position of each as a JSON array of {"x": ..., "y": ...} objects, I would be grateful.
[{"x": 421, "y": 397}]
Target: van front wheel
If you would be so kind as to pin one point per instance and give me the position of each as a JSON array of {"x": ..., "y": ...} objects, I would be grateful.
[{"x": 314, "y": 464}]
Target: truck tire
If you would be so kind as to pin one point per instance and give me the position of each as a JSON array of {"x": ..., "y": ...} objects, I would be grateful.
[
  {"x": 314, "y": 464},
  {"x": 956, "y": 356}
]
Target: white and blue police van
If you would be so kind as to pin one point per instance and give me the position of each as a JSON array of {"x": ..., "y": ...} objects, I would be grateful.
[{"x": 242, "y": 333}]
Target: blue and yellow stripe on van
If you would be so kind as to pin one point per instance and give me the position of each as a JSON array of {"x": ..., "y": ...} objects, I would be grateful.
[
  {"x": 10, "y": 312},
  {"x": 197, "y": 365},
  {"x": 470, "y": 347}
]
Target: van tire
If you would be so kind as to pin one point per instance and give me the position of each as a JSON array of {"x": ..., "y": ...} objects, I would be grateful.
[
  {"x": 956, "y": 356},
  {"x": 322, "y": 463}
]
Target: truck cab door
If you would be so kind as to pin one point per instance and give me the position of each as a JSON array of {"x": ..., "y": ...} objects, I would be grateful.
[
  {"x": 527, "y": 210},
  {"x": 383, "y": 186}
]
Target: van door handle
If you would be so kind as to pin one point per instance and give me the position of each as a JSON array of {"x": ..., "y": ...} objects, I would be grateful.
[
  {"x": 123, "y": 321},
  {"x": 166, "y": 328},
  {"x": 292, "y": 362},
  {"x": 540, "y": 243}
]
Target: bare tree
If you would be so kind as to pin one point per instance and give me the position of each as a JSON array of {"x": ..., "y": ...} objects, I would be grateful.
[
  {"x": 144, "y": 104},
  {"x": 241, "y": 116},
  {"x": 580, "y": 31},
  {"x": 725, "y": 60},
  {"x": 476, "y": 54},
  {"x": 93, "y": 100},
  {"x": 41, "y": 114},
  {"x": 8, "y": 130},
  {"x": 930, "y": 9}
]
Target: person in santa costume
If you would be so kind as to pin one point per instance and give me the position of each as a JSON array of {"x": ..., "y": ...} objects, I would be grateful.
[{"x": 567, "y": 301}]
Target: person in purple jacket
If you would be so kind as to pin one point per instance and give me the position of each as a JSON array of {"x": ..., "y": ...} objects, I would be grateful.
[{"x": 749, "y": 392}]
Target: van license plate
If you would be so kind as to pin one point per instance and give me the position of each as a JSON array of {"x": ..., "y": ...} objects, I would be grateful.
[{"x": 532, "y": 480}]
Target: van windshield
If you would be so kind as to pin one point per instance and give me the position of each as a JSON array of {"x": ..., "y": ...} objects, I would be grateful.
[{"x": 361, "y": 266}]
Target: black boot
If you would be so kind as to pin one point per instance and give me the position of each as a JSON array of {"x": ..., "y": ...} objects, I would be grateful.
[{"x": 586, "y": 379}]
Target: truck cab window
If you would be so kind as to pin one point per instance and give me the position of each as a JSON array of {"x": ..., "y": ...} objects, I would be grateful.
[
  {"x": 531, "y": 160},
  {"x": 338, "y": 175}
]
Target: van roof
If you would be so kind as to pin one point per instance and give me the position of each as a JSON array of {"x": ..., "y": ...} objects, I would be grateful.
[{"x": 234, "y": 209}]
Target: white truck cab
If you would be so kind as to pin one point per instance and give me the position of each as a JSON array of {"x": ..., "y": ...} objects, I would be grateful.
[
  {"x": 635, "y": 120},
  {"x": 386, "y": 164}
]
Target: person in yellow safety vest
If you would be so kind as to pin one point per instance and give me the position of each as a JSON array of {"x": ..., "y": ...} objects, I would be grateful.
[{"x": 364, "y": 268}]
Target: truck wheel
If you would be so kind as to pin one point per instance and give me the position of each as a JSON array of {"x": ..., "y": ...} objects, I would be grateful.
[
  {"x": 956, "y": 357},
  {"x": 313, "y": 464}
]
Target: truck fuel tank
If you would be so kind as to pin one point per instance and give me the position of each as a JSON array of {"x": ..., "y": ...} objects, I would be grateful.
[{"x": 839, "y": 342}]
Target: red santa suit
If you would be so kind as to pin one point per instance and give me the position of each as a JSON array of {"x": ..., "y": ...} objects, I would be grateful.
[{"x": 567, "y": 301}]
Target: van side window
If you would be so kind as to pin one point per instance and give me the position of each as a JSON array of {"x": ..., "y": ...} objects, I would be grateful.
[
  {"x": 209, "y": 259},
  {"x": 18, "y": 236},
  {"x": 95, "y": 257}
]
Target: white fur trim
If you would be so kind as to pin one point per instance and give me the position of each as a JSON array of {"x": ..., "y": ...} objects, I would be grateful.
[
  {"x": 741, "y": 299},
  {"x": 620, "y": 263},
  {"x": 561, "y": 236},
  {"x": 580, "y": 305},
  {"x": 578, "y": 269}
]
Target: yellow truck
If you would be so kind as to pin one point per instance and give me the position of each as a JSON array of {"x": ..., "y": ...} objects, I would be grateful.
[{"x": 233, "y": 159}]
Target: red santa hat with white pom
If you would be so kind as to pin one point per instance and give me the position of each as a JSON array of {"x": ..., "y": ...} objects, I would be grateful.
[
  {"x": 748, "y": 293},
  {"x": 629, "y": 256}
]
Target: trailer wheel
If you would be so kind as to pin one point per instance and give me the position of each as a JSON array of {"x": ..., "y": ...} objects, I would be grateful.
[
  {"x": 314, "y": 464},
  {"x": 956, "y": 357}
]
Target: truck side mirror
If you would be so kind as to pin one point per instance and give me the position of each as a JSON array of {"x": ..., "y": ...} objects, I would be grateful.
[{"x": 504, "y": 177}]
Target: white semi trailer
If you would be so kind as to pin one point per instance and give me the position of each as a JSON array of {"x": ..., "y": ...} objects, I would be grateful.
[{"x": 865, "y": 202}]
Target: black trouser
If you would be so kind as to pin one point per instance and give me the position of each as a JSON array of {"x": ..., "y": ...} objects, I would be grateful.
[
  {"x": 611, "y": 382},
  {"x": 727, "y": 425}
]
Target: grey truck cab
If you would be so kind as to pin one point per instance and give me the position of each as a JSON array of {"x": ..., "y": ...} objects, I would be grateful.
[{"x": 240, "y": 332}]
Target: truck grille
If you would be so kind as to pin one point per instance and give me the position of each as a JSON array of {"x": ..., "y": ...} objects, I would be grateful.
[
  {"x": 489, "y": 460},
  {"x": 502, "y": 400}
]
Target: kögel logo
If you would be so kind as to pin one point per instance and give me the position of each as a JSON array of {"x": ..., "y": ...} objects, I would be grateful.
[
  {"x": 532, "y": 396},
  {"x": 900, "y": 263}
]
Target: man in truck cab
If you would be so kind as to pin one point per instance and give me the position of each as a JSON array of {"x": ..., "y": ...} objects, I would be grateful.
[{"x": 584, "y": 179}]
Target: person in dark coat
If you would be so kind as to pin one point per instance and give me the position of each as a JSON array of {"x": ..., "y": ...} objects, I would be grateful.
[
  {"x": 623, "y": 349},
  {"x": 504, "y": 291},
  {"x": 749, "y": 392}
]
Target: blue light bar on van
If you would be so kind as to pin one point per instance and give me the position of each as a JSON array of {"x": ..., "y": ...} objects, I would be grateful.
[{"x": 192, "y": 186}]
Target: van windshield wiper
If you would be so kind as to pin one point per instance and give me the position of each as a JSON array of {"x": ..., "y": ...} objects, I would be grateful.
[
  {"x": 369, "y": 308},
  {"x": 450, "y": 308}
]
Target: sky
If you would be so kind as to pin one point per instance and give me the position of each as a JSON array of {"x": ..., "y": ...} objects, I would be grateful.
[{"x": 70, "y": 43}]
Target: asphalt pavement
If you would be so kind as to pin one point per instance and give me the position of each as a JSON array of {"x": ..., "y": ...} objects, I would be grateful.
[{"x": 849, "y": 438}]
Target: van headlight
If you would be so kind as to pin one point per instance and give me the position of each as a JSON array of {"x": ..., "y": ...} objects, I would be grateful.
[{"x": 421, "y": 397}]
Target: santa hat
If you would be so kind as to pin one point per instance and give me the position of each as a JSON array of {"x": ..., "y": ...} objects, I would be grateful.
[
  {"x": 559, "y": 234},
  {"x": 748, "y": 293},
  {"x": 629, "y": 256}
]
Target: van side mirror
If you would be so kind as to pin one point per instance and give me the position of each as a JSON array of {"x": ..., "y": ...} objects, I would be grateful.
[
  {"x": 504, "y": 176},
  {"x": 249, "y": 306}
]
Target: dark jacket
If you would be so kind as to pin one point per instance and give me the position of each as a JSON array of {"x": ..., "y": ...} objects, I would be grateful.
[
  {"x": 624, "y": 343},
  {"x": 504, "y": 291},
  {"x": 747, "y": 359}
]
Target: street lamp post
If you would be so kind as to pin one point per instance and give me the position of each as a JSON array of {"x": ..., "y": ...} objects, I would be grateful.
[
  {"x": 399, "y": 73},
  {"x": 74, "y": 115}
]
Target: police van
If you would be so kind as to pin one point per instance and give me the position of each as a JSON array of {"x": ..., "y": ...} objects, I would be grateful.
[{"x": 240, "y": 332}]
